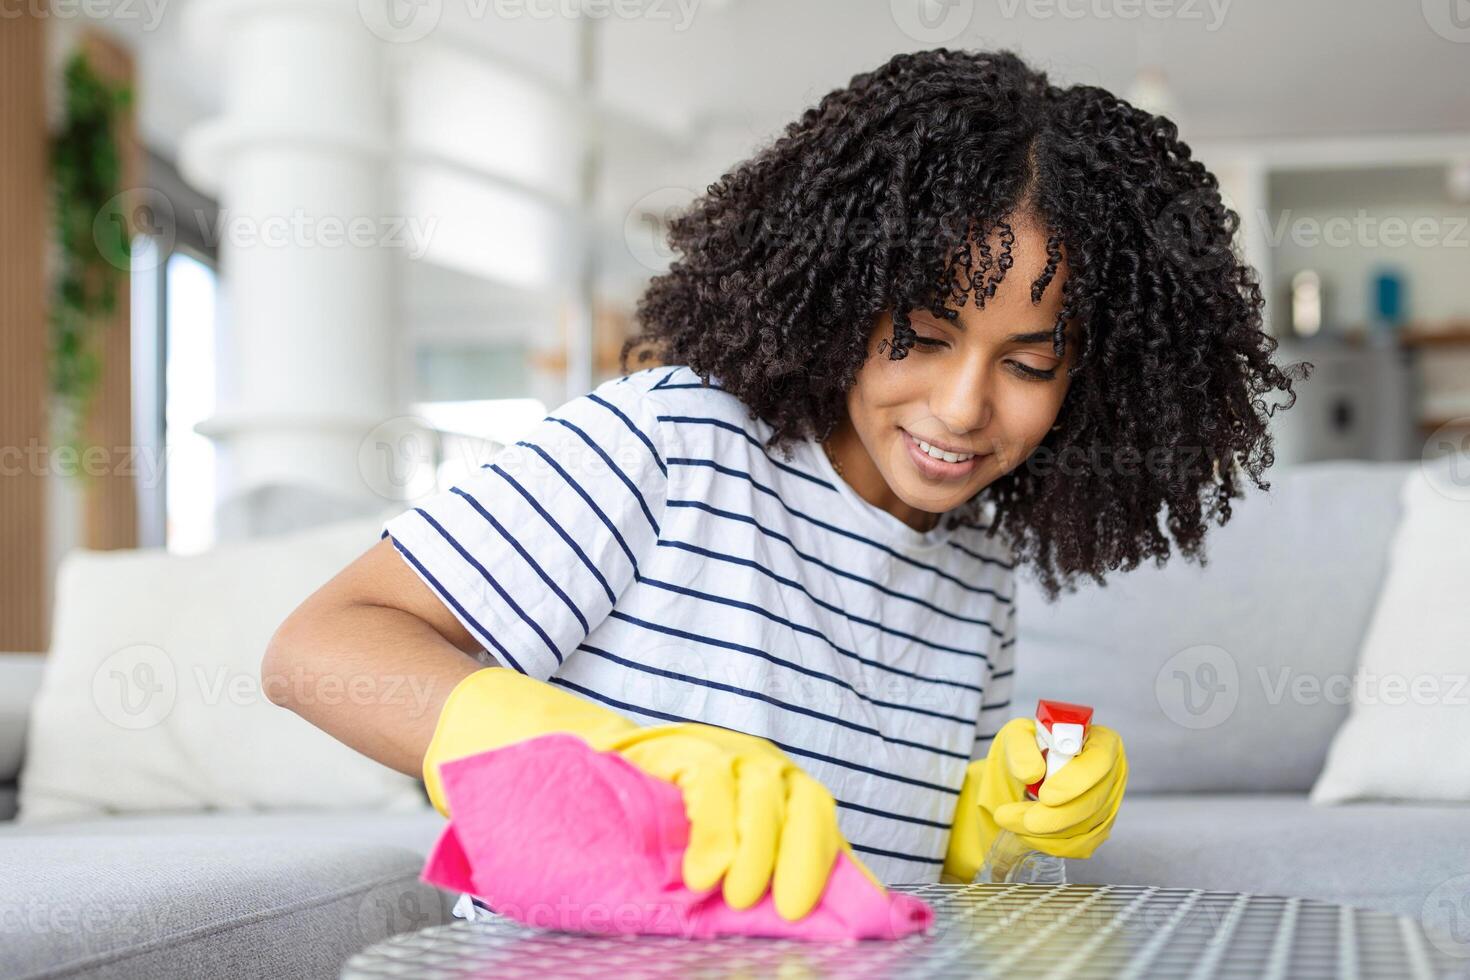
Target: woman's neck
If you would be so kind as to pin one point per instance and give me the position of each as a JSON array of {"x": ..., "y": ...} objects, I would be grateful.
[{"x": 857, "y": 469}]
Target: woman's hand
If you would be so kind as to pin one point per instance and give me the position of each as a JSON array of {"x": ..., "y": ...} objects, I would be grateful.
[
  {"x": 1072, "y": 814},
  {"x": 755, "y": 818}
]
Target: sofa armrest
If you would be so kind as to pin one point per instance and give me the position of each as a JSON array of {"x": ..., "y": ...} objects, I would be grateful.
[{"x": 20, "y": 679}]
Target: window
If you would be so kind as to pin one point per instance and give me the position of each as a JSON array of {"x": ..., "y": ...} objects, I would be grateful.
[
  {"x": 175, "y": 339},
  {"x": 189, "y": 382}
]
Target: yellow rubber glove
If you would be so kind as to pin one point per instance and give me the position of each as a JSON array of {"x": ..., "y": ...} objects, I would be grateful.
[
  {"x": 1072, "y": 814},
  {"x": 755, "y": 818},
  {"x": 496, "y": 706}
]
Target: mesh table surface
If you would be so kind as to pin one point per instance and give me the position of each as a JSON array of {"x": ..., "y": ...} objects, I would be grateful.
[{"x": 1075, "y": 931}]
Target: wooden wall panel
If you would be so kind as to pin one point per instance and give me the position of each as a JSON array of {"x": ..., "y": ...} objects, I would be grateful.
[
  {"x": 111, "y": 504},
  {"x": 23, "y": 222}
]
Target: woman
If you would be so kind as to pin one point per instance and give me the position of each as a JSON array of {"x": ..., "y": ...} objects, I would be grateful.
[{"x": 955, "y": 320}]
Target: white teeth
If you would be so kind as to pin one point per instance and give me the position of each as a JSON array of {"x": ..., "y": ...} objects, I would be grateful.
[{"x": 941, "y": 454}]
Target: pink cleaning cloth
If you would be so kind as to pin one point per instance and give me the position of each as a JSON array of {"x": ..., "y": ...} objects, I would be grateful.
[{"x": 555, "y": 834}]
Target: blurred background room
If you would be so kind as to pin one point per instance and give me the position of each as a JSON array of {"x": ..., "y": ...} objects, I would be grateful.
[
  {"x": 364, "y": 237},
  {"x": 273, "y": 270}
]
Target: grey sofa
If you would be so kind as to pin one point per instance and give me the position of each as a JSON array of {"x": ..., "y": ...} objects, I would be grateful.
[
  {"x": 217, "y": 894},
  {"x": 1218, "y": 782},
  {"x": 1217, "y": 799}
]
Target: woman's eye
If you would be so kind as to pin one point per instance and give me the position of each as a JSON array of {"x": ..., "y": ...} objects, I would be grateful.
[
  {"x": 1030, "y": 373},
  {"x": 928, "y": 342}
]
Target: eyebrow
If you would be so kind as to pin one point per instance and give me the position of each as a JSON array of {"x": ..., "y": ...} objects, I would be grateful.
[{"x": 1034, "y": 337}]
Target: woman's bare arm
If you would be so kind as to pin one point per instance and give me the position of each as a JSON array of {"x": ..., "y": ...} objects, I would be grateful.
[{"x": 370, "y": 658}]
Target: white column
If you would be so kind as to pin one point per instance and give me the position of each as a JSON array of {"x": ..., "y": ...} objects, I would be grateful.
[{"x": 297, "y": 159}]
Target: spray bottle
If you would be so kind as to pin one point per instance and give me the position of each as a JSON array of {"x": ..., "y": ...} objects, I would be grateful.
[{"x": 1060, "y": 731}]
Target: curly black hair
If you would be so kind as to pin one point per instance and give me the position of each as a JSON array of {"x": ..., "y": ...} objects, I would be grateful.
[{"x": 870, "y": 202}]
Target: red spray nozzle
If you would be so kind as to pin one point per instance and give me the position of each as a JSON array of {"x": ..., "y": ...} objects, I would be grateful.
[{"x": 1060, "y": 729}]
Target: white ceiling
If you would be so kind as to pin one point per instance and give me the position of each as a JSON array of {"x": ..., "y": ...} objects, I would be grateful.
[
  {"x": 1242, "y": 69},
  {"x": 1237, "y": 68}
]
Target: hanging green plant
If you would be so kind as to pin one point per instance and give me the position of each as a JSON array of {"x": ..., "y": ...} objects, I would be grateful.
[{"x": 92, "y": 239}]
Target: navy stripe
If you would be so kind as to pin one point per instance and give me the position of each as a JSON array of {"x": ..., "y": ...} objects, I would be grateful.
[
  {"x": 448, "y": 598},
  {"x": 850, "y": 654},
  {"x": 721, "y": 423},
  {"x": 526, "y": 555},
  {"x": 696, "y": 384},
  {"x": 833, "y": 528},
  {"x": 632, "y": 487},
  {"x": 999, "y": 704},
  {"x": 749, "y": 563},
  {"x": 894, "y": 854},
  {"x": 1007, "y": 565},
  {"x": 597, "y": 572},
  {"x": 550, "y": 645},
  {"x": 997, "y": 675},
  {"x": 590, "y": 502},
  {"x": 790, "y": 749},
  {"x": 632, "y": 428},
  {"x": 755, "y": 652},
  {"x": 874, "y": 811},
  {"x": 783, "y": 705},
  {"x": 731, "y": 515}
]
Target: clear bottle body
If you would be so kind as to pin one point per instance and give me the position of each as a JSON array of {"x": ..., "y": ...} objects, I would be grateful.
[{"x": 1011, "y": 860}]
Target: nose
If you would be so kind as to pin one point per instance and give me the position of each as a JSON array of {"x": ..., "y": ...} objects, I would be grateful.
[{"x": 962, "y": 401}]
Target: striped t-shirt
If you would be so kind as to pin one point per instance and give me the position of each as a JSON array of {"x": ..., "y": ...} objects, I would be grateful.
[{"x": 641, "y": 548}]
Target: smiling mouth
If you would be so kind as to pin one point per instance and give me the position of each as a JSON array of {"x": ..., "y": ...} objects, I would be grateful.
[
  {"x": 946, "y": 466},
  {"x": 934, "y": 452}
]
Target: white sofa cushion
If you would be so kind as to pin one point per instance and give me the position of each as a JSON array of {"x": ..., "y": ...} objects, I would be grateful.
[
  {"x": 152, "y": 701},
  {"x": 1406, "y": 734}
]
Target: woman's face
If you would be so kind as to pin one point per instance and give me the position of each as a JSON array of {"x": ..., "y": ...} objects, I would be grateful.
[{"x": 986, "y": 386}]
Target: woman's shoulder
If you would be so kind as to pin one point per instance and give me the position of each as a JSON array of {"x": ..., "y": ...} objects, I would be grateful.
[
  {"x": 675, "y": 410},
  {"x": 677, "y": 391}
]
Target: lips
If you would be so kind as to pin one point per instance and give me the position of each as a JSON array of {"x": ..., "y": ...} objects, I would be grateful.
[
  {"x": 938, "y": 469},
  {"x": 932, "y": 448}
]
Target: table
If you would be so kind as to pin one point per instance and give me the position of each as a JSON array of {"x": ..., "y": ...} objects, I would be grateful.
[{"x": 1073, "y": 931}]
